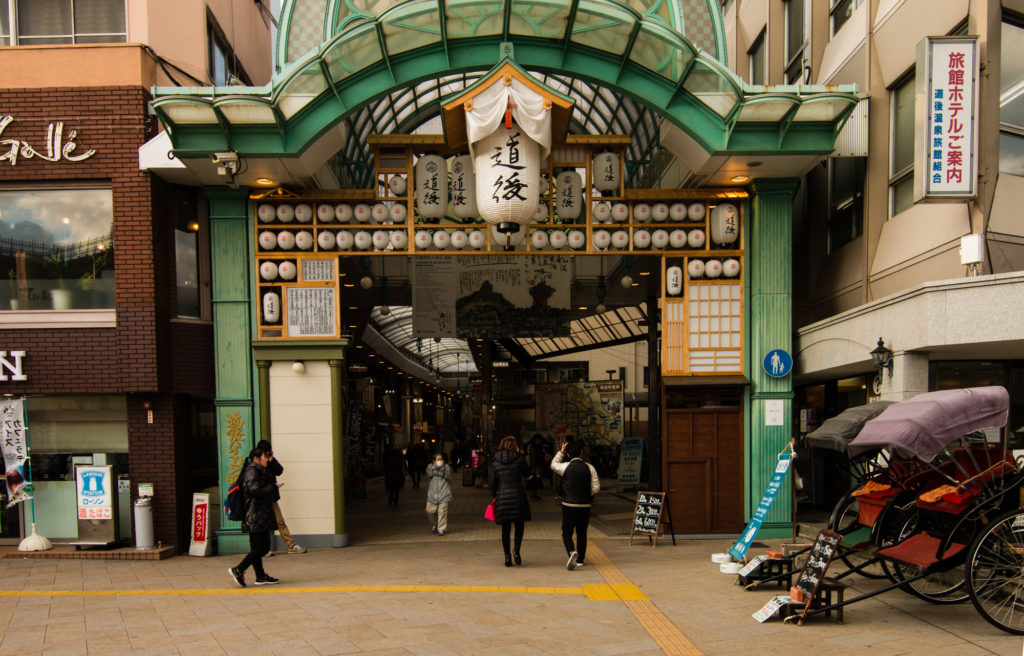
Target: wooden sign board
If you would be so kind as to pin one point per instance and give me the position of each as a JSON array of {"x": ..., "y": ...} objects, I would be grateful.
[
  {"x": 648, "y": 516},
  {"x": 821, "y": 554}
]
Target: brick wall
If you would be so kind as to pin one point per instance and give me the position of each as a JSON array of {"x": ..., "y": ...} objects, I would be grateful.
[{"x": 147, "y": 356}]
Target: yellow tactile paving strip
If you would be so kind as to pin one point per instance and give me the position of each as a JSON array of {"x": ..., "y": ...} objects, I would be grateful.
[
  {"x": 596, "y": 595},
  {"x": 671, "y": 640}
]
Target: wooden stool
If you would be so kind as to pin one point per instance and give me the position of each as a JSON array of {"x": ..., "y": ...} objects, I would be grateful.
[
  {"x": 823, "y": 597},
  {"x": 771, "y": 568}
]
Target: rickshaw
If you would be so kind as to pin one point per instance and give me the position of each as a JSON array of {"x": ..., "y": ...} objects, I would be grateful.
[{"x": 962, "y": 535}]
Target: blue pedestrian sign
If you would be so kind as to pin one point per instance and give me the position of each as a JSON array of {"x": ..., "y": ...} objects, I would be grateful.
[{"x": 778, "y": 363}]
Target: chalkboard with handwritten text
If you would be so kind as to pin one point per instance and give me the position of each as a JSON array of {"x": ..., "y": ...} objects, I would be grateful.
[
  {"x": 650, "y": 513},
  {"x": 818, "y": 559}
]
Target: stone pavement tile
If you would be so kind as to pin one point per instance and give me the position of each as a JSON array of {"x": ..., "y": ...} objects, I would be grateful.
[
  {"x": 105, "y": 642},
  {"x": 65, "y": 649},
  {"x": 22, "y": 638},
  {"x": 331, "y": 643}
]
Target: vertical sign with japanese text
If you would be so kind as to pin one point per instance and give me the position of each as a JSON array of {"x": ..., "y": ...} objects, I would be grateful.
[
  {"x": 15, "y": 449},
  {"x": 946, "y": 115}
]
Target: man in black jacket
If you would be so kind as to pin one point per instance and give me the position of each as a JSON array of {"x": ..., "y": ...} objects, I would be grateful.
[
  {"x": 276, "y": 468},
  {"x": 579, "y": 485},
  {"x": 261, "y": 491}
]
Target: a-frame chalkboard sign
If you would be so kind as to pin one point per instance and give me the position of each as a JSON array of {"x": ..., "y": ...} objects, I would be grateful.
[
  {"x": 813, "y": 574},
  {"x": 650, "y": 514}
]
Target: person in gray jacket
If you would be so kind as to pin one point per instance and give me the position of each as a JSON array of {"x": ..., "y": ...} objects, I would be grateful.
[
  {"x": 439, "y": 493},
  {"x": 579, "y": 486}
]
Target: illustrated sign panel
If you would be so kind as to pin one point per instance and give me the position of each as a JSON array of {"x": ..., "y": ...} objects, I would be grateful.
[
  {"x": 311, "y": 311},
  {"x": 591, "y": 411}
]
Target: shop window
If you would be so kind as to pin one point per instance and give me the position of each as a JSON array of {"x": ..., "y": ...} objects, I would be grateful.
[
  {"x": 901, "y": 168},
  {"x": 190, "y": 257},
  {"x": 796, "y": 40},
  {"x": 224, "y": 66},
  {"x": 65, "y": 21},
  {"x": 758, "y": 62},
  {"x": 845, "y": 200},
  {"x": 841, "y": 12},
  {"x": 1011, "y": 100},
  {"x": 56, "y": 248},
  {"x": 5, "y": 23}
]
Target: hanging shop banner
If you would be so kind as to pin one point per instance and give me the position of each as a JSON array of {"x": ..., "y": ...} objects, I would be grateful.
[
  {"x": 200, "y": 542},
  {"x": 945, "y": 165},
  {"x": 739, "y": 550},
  {"x": 15, "y": 449}
]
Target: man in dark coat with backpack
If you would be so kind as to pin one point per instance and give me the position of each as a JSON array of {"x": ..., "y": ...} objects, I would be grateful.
[
  {"x": 579, "y": 486},
  {"x": 261, "y": 491}
]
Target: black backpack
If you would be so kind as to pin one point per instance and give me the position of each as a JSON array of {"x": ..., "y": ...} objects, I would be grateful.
[{"x": 234, "y": 502}]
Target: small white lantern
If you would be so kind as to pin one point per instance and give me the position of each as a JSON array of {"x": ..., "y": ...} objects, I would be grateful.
[
  {"x": 268, "y": 270},
  {"x": 303, "y": 213},
  {"x": 268, "y": 240},
  {"x": 441, "y": 240},
  {"x": 513, "y": 239},
  {"x": 363, "y": 240},
  {"x": 677, "y": 212},
  {"x": 696, "y": 212},
  {"x": 422, "y": 239},
  {"x": 398, "y": 213},
  {"x": 507, "y": 175},
  {"x": 577, "y": 239},
  {"x": 558, "y": 240},
  {"x": 620, "y": 212},
  {"x": 659, "y": 239},
  {"x": 459, "y": 240},
  {"x": 343, "y": 213},
  {"x": 641, "y": 239},
  {"x": 602, "y": 212},
  {"x": 344, "y": 240},
  {"x": 677, "y": 239},
  {"x": 463, "y": 188},
  {"x": 695, "y": 239},
  {"x": 606, "y": 171},
  {"x": 397, "y": 185},
  {"x": 725, "y": 224},
  {"x": 431, "y": 186},
  {"x": 325, "y": 213},
  {"x": 271, "y": 307},
  {"x": 659, "y": 212},
  {"x": 695, "y": 269},
  {"x": 326, "y": 241},
  {"x": 399, "y": 239},
  {"x": 642, "y": 213},
  {"x": 287, "y": 270},
  {"x": 362, "y": 213},
  {"x": 304, "y": 240},
  {"x": 713, "y": 268},
  {"x": 285, "y": 213},
  {"x": 477, "y": 239},
  {"x": 602, "y": 239},
  {"x": 541, "y": 215},
  {"x": 379, "y": 213},
  {"x": 381, "y": 239},
  {"x": 569, "y": 189},
  {"x": 266, "y": 213},
  {"x": 731, "y": 268},
  {"x": 620, "y": 239},
  {"x": 538, "y": 240},
  {"x": 285, "y": 240},
  {"x": 674, "y": 281}
]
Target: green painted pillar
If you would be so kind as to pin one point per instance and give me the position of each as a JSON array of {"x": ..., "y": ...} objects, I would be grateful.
[
  {"x": 770, "y": 326},
  {"x": 229, "y": 248}
]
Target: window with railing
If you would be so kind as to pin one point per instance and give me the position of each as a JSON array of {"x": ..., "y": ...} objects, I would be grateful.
[
  {"x": 41, "y": 22},
  {"x": 845, "y": 200},
  {"x": 841, "y": 12},
  {"x": 56, "y": 248},
  {"x": 1011, "y": 99},
  {"x": 758, "y": 62},
  {"x": 796, "y": 40},
  {"x": 901, "y": 167}
]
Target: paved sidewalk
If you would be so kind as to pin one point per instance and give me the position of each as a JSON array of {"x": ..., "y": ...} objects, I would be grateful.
[{"x": 400, "y": 590}]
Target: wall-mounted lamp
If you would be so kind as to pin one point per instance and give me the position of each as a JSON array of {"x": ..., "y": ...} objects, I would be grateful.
[
  {"x": 882, "y": 358},
  {"x": 299, "y": 367},
  {"x": 148, "y": 407}
]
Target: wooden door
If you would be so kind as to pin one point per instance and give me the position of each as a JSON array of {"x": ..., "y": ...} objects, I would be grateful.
[{"x": 703, "y": 469}]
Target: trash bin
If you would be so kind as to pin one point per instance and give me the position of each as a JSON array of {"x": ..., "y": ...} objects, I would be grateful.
[{"x": 144, "y": 523}]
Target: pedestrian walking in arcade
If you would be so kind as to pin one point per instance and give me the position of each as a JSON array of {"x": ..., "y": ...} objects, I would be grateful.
[
  {"x": 394, "y": 474},
  {"x": 439, "y": 493},
  {"x": 511, "y": 507},
  {"x": 261, "y": 491},
  {"x": 579, "y": 485},
  {"x": 276, "y": 469}
]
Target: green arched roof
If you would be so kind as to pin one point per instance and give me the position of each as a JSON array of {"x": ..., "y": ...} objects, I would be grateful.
[{"x": 627, "y": 65}]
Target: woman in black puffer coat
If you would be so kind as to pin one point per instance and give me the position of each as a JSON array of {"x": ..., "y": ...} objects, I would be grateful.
[
  {"x": 508, "y": 470},
  {"x": 261, "y": 491}
]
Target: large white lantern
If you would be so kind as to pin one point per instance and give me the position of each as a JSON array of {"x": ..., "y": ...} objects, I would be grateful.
[
  {"x": 507, "y": 175},
  {"x": 606, "y": 171},
  {"x": 463, "y": 188},
  {"x": 569, "y": 188},
  {"x": 431, "y": 175},
  {"x": 725, "y": 223}
]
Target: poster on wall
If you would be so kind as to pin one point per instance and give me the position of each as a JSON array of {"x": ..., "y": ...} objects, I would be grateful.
[
  {"x": 311, "y": 311},
  {"x": 15, "y": 449},
  {"x": 433, "y": 297},
  {"x": 591, "y": 411}
]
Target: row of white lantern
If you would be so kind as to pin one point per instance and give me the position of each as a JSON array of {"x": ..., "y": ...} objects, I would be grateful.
[
  {"x": 605, "y": 212},
  {"x": 271, "y": 270},
  {"x": 341, "y": 213},
  {"x": 699, "y": 270}
]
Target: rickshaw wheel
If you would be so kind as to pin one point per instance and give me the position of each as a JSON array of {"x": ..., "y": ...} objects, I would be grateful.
[
  {"x": 844, "y": 521},
  {"x": 995, "y": 572},
  {"x": 937, "y": 588}
]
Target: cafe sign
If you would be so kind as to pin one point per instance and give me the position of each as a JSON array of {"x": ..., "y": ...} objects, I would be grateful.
[
  {"x": 945, "y": 165},
  {"x": 58, "y": 145}
]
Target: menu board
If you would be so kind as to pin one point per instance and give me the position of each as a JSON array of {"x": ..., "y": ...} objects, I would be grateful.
[
  {"x": 647, "y": 517},
  {"x": 821, "y": 554},
  {"x": 311, "y": 311}
]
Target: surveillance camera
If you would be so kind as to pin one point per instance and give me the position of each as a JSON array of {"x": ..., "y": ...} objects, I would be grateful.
[{"x": 224, "y": 158}]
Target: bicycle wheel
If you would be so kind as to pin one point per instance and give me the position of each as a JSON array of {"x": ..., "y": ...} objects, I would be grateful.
[
  {"x": 856, "y": 539},
  {"x": 995, "y": 572},
  {"x": 946, "y": 587}
]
